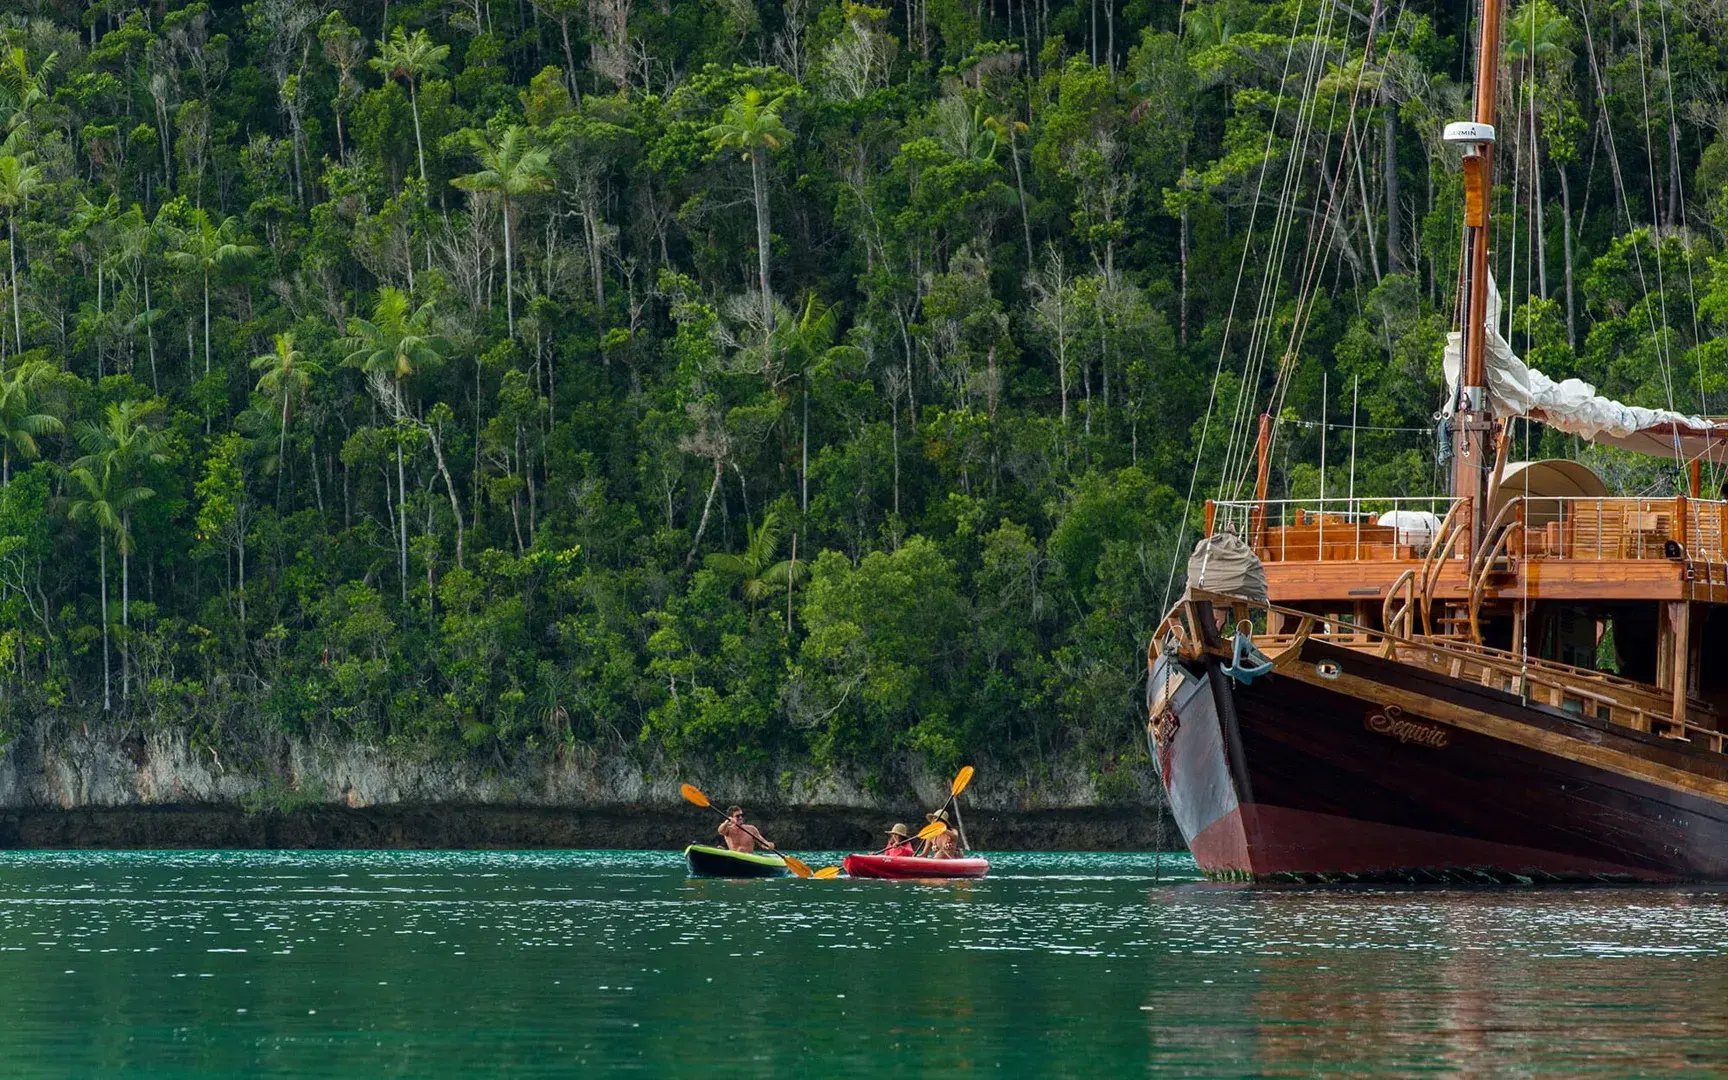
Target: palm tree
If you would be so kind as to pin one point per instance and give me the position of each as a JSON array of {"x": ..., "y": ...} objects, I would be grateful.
[
  {"x": 411, "y": 59},
  {"x": 397, "y": 341},
  {"x": 20, "y": 423},
  {"x": 286, "y": 374},
  {"x": 106, "y": 499},
  {"x": 19, "y": 179},
  {"x": 758, "y": 572},
  {"x": 20, "y": 88},
  {"x": 137, "y": 237},
  {"x": 1009, "y": 127},
  {"x": 389, "y": 347},
  {"x": 127, "y": 439},
  {"x": 808, "y": 346},
  {"x": 751, "y": 124},
  {"x": 514, "y": 169},
  {"x": 205, "y": 248},
  {"x": 344, "y": 48}
]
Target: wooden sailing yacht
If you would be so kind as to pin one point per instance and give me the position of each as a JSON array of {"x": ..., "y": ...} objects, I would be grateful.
[{"x": 1416, "y": 693}]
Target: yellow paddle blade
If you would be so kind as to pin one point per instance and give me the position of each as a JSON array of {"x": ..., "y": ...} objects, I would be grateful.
[
  {"x": 932, "y": 830},
  {"x": 961, "y": 779},
  {"x": 826, "y": 872},
  {"x": 693, "y": 794},
  {"x": 797, "y": 866}
]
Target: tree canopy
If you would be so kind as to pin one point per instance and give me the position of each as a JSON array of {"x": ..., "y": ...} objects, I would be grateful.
[{"x": 788, "y": 384}]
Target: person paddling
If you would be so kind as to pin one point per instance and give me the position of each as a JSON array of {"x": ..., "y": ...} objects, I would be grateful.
[
  {"x": 944, "y": 845},
  {"x": 739, "y": 836},
  {"x": 899, "y": 841}
]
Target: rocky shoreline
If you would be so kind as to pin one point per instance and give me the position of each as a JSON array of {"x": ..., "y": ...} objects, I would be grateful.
[
  {"x": 63, "y": 787},
  {"x": 525, "y": 827}
]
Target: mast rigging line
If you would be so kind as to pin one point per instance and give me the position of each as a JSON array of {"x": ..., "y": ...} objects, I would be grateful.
[
  {"x": 1261, "y": 334},
  {"x": 1254, "y": 358},
  {"x": 1229, "y": 315},
  {"x": 1656, "y": 331},
  {"x": 1349, "y": 154},
  {"x": 1662, "y": 345},
  {"x": 1680, "y": 190}
]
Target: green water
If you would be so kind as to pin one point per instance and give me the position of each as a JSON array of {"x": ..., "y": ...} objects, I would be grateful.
[{"x": 541, "y": 964}]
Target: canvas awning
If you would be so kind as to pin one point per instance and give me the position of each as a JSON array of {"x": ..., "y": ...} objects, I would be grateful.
[{"x": 1542, "y": 481}]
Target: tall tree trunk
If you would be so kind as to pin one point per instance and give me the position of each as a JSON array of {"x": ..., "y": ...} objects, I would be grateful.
[
  {"x": 282, "y": 451},
  {"x": 402, "y": 513},
  {"x": 569, "y": 59},
  {"x": 107, "y": 695},
  {"x": 1367, "y": 217},
  {"x": 1020, "y": 187},
  {"x": 317, "y": 480},
  {"x": 1675, "y": 210},
  {"x": 1539, "y": 214},
  {"x": 17, "y": 304},
  {"x": 1394, "y": 206},
  {"x": 1182, "y": 302},
  {"x": 125, "y": 612},
  {"x": 449, "y": 488},
  {"x": 414, "y": 105},
  {"x": 1566, "y": 253},
  {"x": 707, "y": 507},
  {"x": 1110, "y": 35},
  {"x": 509, "y": 277},
  {"x": 206, "y": 334},
  {"x": 206, "y": 344},
  {"x": 894, "y": 430},
  {"x": 759, "y": 179},
  {"x": 150, "y": 337}
]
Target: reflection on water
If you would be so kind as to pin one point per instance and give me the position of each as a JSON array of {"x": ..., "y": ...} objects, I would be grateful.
[{"x": 448, "y": 964}]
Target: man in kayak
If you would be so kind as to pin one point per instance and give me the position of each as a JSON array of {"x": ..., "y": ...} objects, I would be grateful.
[
  {"x": 739, "y": 836},
  {"x": 944, "y": 846},
  {"x": 898, "y": 841}
]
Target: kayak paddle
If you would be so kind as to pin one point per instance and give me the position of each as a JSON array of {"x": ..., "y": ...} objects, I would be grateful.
[
  {"x": 693, "y": 795},
  {"x": 961, "y": 779},
  {"x": 935, "y": 828}
]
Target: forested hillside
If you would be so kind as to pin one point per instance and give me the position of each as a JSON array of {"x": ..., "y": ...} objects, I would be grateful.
[{"x": 777, "y": 383}]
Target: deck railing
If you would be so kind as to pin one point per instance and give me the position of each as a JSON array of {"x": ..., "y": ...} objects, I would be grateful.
[
  {"x": 1333, "y": 530},
  {"x": 1535, "y": 527}
]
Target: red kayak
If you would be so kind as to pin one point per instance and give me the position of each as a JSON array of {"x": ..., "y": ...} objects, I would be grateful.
[{"x": 910, "y": 866}]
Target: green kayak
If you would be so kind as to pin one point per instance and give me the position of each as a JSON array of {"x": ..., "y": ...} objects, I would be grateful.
[{"x": 706, "y": 861}]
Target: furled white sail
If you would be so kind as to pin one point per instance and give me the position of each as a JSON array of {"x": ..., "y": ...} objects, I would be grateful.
[{"x": 1574, "y": 406}]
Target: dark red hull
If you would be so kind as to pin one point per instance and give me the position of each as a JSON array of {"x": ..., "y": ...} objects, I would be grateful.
[{"x": 1295, "y": 778}]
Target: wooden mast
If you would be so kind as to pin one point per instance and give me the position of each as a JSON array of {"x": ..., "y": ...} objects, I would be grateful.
[{"x": 1473, "y": 418}]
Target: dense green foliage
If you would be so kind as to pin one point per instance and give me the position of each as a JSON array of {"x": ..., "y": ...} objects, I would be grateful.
[{"x": 785, "y": 382}]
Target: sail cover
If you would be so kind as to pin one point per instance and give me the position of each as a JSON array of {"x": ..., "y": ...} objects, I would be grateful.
[{"x": 1574, "y": 406}]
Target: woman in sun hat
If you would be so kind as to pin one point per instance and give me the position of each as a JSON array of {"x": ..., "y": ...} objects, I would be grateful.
[
  {"x": 944, "y": 846},
  {"x": 898, "y": 841}
]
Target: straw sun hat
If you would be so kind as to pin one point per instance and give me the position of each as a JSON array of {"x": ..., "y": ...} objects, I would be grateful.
[
  {"x": 899, "y": 830},
  {"x": 940, "y": 815}
]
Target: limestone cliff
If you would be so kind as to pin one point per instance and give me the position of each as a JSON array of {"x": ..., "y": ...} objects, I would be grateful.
[{"x": 62, "y": 786}]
